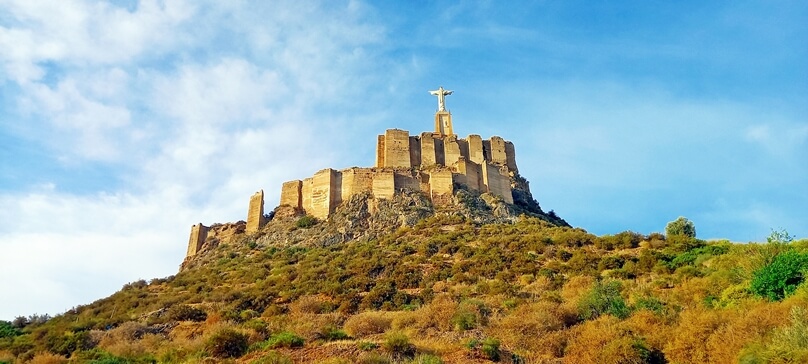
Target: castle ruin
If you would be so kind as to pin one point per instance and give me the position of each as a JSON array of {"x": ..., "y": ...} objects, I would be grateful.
[{"x": 435, "y": 163}]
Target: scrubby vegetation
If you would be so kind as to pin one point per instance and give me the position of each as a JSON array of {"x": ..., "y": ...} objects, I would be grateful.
[{"x": 449, "y": 290}]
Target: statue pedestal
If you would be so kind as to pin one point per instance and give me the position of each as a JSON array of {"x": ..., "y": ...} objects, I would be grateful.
[{"x": 443, "y": 123}]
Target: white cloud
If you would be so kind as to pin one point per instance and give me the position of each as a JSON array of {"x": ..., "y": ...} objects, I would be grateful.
[
  {"x": 65, "y": 250},
  {"x": 79, "y": 121},
  {"x": 77, "y": 33},
  {"x": 193, "y": 109}
]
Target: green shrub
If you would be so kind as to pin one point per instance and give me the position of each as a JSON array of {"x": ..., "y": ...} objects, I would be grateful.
[
  {"x": 652, "y": 304},
  {"x": 227, "y": 343},
  {"x": 69, "y": 342},
  {"x": 306, "y": 221},
  {"x": 487, "y": 348},
  {"x": 367, "y": 345},
  {"x": 7, "y": 329},
  {"x": 427, "y": 359},
  {"x": 490, "y": 349},
  {"x": 331, "y": 333},
  {"x": 611, "y": 262},
  {"x": 283, "y": 339},
  {"x": 469, "y": 314},
  {"x": 781, "y": 277},
  {"x": 186, "y": 313},
  {"x": 398, "y": 343},
  {"x": 273, "y": 357},
  {"x": 603, "y": 299},
  {"x": 697, "y": 255}
]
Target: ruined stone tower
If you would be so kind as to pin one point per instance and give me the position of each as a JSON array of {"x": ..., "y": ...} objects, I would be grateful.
[{"x": 255, "y": 214}]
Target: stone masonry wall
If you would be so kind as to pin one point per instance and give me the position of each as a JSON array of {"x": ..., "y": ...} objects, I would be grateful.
[
  {"x": 428, "y": 155},
  {"x": 415, "y": 151},
  {"x": 323, "y": 194},
  {"x": 406, "y": 179},
  {"x": 442, "y": 186},
  {"x": 356, "y": 181},
  {"x": 292, "y": 194},
  {"x": 510, "y": 156},
  {"x": 496, "y": 182},
  {"x": 469, "y": 174},
  {"x": 451, "y": 150},
  {"x": 384, "y": 185},
  {"x": 498, "y": 155},
  {"x": 255, "y": 214},
  {"x": 199, "y": 233},
  {"x": 427, "y": 162},
  {"x": 397, "y": 149},
  {"x": 380, "y": 145},
  {"x": 476, "y": 149}
]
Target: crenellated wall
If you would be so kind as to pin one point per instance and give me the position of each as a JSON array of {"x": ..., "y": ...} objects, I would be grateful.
[
  {"x": 435, "y": 163},
  {"x": 397, "y": 149},
  {"x": 429, "y": 162}
]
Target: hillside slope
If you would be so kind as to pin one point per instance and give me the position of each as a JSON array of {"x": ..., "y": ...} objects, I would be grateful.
[{"x": 479, "y": 282}]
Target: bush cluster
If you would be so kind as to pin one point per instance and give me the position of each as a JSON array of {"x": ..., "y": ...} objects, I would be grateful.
[
  {"x": 227, "y": 343},
  {"x": 781, "y": 277}
]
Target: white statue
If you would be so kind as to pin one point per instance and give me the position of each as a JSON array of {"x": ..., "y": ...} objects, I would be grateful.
[{"x": 441, "y": 94}]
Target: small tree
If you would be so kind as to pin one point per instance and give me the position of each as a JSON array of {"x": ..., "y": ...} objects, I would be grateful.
[
  {"x": 603, "y": 298},
  {"x": 781, "y": 277},
  {"x": 7, "y": 329},
  {"x": 681, "y": 227}
]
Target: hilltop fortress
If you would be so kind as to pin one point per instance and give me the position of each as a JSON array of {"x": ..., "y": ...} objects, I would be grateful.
[{"x": 436, "y": 163}]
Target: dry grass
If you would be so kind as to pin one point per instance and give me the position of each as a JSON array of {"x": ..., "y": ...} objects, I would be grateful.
[
  {"x": 602, "y": 341},
  {"x": 576, "y": 287},
  {"x": 531, "y": 329},
  {"x": 368, "y": 323},
  {"x": 47, "y": 358},
  {"x": 689, "y": 344},
  {"x": 745, "y": 327},
  {"x": 310, "y": 326},
  {"x": 437, "y": 315},
  {"x": 313, "y": 304}
]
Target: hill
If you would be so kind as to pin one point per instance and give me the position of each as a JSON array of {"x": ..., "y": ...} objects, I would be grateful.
[{"x": 474, "y": 281}]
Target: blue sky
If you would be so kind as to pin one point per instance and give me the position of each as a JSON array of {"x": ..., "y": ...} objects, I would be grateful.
[{"x": 123, "y": 123}]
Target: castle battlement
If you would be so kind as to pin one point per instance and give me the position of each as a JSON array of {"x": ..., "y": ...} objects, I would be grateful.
[
  {"x": 430, "y": 163},
  {"x": 435, "y": 163}
]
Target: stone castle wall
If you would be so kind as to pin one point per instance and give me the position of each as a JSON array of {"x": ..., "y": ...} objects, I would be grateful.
[
  {"x": 432, "y": 163},
  {"x": 255, "y": 214},
  {"x": 397, "y": 149},
  {"x": 199, "y": 233},
  {"x": 429, "y": 162},
  {"x": 220, "y": 233}
]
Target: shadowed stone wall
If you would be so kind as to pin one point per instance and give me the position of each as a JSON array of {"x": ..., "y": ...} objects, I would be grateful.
[
  {"x": 292, "y": 194},
  {"x": 496, "y": 182},
  {"x": 428, "y": 154}
]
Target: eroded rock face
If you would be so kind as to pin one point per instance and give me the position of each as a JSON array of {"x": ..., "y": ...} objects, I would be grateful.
[{"x": 365, "y": 217}]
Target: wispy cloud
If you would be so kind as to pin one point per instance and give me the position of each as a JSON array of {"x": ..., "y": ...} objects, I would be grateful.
[{"x": 195, "y": 106}]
